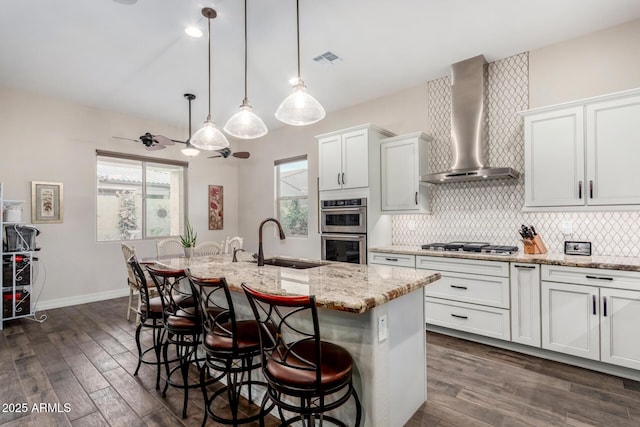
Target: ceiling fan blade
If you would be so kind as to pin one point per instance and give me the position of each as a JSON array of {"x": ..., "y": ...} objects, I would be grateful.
[
  {"x": 126, "y": 139},
  {"x": 242, "y": 154},
  {"x": 155, "y": 147},
  {"x": 213, "y": 157},
  {"x": 163, "y": 140}
]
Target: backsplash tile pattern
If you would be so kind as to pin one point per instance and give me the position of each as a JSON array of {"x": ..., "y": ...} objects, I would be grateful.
[{"x": 491, "y": 211}]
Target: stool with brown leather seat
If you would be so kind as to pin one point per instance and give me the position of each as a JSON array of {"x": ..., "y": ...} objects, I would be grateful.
[
  {"x": 232, "y": 347},
  {"x": 150, "y": 316},
  {"x": 297, "y": 364},
  {"x": 181, "y": 321}
]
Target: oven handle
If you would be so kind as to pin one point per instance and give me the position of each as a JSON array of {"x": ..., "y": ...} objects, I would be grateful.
[
  {"x": 347, "y": 209},
  {"x": 344, "y": 236}
]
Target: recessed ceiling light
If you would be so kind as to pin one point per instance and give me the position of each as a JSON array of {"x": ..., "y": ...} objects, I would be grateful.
[{"x": 194, "y": 32}]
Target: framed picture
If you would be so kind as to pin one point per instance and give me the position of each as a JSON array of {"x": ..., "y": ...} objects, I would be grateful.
[
  {"x": 216, "y": 207},
  {"x": 46, "y": 202}
]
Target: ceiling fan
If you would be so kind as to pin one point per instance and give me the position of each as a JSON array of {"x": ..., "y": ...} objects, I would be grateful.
[
  {"x": 225, "y": 152},
  {"x": 152, "y": 142}
]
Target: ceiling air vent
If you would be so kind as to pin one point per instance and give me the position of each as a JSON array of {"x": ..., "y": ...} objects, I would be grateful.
[{"x": 328, "y": 58}]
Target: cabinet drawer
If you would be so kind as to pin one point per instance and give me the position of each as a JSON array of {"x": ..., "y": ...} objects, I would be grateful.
[
  {"x": 400, "y": 260},
  {"x": 592, "y": 276},
  {"x": 485, "y": 290},
  {"x": 459, "y": 265},
  {"x": 487, "y": 321}
]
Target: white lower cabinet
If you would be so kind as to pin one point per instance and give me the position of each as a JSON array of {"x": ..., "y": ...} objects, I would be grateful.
[
  {"x": 471, "y": 296},
  {"x": 525, "y": 304},
  {"x": 598, "y": 320}
]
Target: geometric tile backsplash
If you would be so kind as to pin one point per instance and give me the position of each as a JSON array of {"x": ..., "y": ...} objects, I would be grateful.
[{"x": 491, "y": 211}]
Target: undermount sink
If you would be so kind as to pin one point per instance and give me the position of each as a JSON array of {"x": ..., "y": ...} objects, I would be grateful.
[{"x": 291, "y": 263}]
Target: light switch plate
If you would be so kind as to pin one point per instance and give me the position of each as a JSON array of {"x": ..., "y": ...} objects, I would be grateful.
[{"x": 567, "y": 226}]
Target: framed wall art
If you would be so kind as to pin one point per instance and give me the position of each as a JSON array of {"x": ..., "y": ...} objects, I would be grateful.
[
  {"x": 216, "y": 207},
  {"x": 46, "y": 202}
]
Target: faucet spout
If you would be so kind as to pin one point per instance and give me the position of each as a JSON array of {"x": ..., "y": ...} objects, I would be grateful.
[{"x": 260, "y": 251}]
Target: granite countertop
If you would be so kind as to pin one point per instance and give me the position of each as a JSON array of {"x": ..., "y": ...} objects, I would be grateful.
[
  {"x": 340, "y": 286},
  {"x": 604, "y": 262}
]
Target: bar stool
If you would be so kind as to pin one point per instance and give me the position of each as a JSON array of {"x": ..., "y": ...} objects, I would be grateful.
[
  {"x": 297, "y": 364},
  {"x": 182, "y": 326},
  {"x": 232, "y": 347},
  {"x": 150, "y": 316}
]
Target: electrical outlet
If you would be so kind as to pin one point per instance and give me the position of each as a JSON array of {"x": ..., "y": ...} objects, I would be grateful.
[
  {"x": 411, "y": 225},
  {"x": 383, "y": 330},
  {"x": 567, "y": 226}
]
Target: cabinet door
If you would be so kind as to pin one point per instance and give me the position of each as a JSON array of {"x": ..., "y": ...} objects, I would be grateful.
[
  {"x": 399, "y": 172},
  {"x": 554, "y": 158},
  {"x": 613, "y": 150},
  {"x": 570, "y": 322},
  {"x": 330, "y": 162},
  {"x": 355, "y": 159},
  {"x": 525, "y": 304},
  {"x": 620, "y": 317}
]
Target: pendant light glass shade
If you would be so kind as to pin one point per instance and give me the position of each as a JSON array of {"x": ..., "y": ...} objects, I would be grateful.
[
  {"x": 245, "y": 124},
  {"x": 209, "y": 136},
  {"x": 300, "y": 108}
]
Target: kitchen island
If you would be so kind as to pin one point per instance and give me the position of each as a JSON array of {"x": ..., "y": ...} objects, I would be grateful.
[{"x": 375, "y": 312}]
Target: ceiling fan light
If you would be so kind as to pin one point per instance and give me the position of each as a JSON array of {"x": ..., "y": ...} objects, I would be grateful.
[
  {"x": 190, "y": 151},
  {"x": 209, "y": 137},
  {"x": 245, "y": 124},
  {"x": 300, "y": 108}
]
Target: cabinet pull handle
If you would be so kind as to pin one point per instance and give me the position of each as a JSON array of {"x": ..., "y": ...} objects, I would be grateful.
[
  {"x": 591, "y": 189},
  {"x": 459, "y": 316},
  {"x": 579, "y": 189},
  {"x": 599, "y": 277},
  {"x": 458, "y": 287},
  {"x": 338, "y": 178},
  {"x": 416, "y": 197},
  {"x": 342, "y": 178},
  {"x": 593, "y": 298},
  {"x": 524, "y": 266},
  {"x": 391, "y": 259},
  {"x": 604, "y": 306}
]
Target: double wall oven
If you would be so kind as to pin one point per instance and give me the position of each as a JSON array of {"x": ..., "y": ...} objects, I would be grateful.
[{"x": 343, "y": 226}]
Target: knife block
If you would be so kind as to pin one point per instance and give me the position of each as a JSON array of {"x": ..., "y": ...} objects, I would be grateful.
[{"x": 534, "y": 246}]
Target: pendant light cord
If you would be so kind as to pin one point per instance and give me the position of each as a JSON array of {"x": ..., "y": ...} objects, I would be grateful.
[
  {"x": 298, "y": 33},
  {"x": 209, "y": 79},
  {"x": 245, "y": 100}
]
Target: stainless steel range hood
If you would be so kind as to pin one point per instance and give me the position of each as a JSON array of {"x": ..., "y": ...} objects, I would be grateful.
[{"x": 468, "y": 127}]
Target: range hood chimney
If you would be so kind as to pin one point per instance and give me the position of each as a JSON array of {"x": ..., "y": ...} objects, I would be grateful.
[{"x": 468, "y": 127}]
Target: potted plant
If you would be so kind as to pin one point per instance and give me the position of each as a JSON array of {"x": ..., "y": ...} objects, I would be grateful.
[{"x": 188, "y": 239}]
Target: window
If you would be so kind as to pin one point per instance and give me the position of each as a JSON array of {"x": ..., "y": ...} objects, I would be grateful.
[
  {"x": 139, "y": 197},
  {"x": 292, "y": 191}
]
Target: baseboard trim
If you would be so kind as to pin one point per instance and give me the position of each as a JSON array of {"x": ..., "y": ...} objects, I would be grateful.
[
  {"x": 618, "y": 371},
  {"x": 80, "y": 299}
]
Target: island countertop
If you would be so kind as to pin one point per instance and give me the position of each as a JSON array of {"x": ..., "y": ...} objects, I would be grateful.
[{"x": 340, "y": 286}]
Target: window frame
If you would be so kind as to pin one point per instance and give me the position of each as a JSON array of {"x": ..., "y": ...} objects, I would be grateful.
[
  {"x": 145, "y": 160},
  {"x": 278, "y": 199}
]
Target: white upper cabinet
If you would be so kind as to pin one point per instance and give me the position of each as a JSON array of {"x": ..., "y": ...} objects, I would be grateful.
[
  {"x": 345, "y": 156},
  {"x": 613, "y": 151},
  {"x": 583, "y": 153},
  {"x": 403, "y": 159}
]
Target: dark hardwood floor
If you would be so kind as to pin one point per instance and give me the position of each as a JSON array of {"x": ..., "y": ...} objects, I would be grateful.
[{"x": 84, "y": 356}]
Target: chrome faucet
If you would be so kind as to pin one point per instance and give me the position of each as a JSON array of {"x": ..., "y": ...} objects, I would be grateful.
[{"x": 260, "y": 252}]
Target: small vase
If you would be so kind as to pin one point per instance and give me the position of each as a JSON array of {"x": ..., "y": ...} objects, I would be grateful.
[{"x": 188, "y": 252}]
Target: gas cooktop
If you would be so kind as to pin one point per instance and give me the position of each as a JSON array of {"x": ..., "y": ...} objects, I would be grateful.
[{"x": 479, "y": 247}]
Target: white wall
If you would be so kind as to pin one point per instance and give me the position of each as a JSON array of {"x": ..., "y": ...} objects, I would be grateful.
[{"x": 45, "y": 139}]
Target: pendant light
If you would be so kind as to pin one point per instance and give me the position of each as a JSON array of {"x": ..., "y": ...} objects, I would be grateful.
[
  {"x": 209, "y": 136},
  {"x": 245, "y": 124},
  {"x": 190, "y": 150},
  {"x": 299, "y": 108}
]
